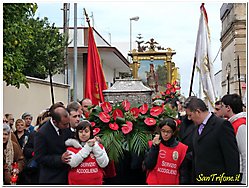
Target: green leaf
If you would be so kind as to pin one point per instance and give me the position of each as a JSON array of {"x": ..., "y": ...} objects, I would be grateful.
[
  {"x": 120, "y": 120},
  {"x": 112, "y": 141},
  {"x": 138, "y": 142}
]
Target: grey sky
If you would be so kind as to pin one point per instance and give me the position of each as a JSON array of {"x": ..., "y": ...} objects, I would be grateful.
[{"x": 171, "y": 24}]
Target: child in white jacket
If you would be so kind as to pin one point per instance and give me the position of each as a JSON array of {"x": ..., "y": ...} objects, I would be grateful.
[{"x": 88, "y": 157}]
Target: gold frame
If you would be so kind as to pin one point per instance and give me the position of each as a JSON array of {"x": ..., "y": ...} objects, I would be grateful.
[{"x": 152, "y": 55}]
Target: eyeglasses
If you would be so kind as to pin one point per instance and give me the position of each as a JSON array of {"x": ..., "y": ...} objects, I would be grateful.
[
  {"x": 166, "y": 132},
  {"x": 5, "y": 121}
]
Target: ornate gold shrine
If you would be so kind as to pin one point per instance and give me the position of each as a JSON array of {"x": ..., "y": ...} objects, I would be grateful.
[{"x": 145, "y": 55}]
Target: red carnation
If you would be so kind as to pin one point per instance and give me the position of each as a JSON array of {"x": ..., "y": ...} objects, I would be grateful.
[
  {"x": 15, "y": 165},
  {"x": 117, "y": 113},
  {"x": 126, "y": 128},
  {"x": 135, "y": 112},
  {"x": 103, "y": 116},
  {"x": 167, "y": 92},
  {"x": 126, "y": 104},
  {"x": 129, "y": 124},
  {"x": 96, "y": 131},
  {"x": 173, "y": 90},
  {"x": 168, "y": 86},
  {"x": 106, "y": 107},
  {"x": 113, "y": 126},
  {"x": 150, "y": 121},
  {"x": 93, "y": 124},
  {"x": 155, "y": 111},
  {"x": 144, "y": 108},
  {"x": 178, "y": 122}
]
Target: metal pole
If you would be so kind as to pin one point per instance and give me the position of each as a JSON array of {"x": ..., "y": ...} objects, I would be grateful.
[
  {"x": 239, "y": 76},
  {"x": 66, "y": 64},
  {"x": 75, "y": 54},
  {"x": 64, "y": 32},
  {"x": 130, "y": 36},
  {"x": 67, "y": 58}
]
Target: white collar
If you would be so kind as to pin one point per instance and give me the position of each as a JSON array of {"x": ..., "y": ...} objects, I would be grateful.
[
  {"x": 56, "y": 128},
  {"x": 72, "y": 129}
]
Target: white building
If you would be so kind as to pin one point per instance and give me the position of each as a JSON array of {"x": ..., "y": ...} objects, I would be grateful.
[{"x": 114, "y": 64}]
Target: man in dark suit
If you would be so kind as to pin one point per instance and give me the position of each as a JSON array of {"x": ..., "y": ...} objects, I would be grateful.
[
  {"x": 215, "y": 150},
  {"x": 50, "y": 149}
]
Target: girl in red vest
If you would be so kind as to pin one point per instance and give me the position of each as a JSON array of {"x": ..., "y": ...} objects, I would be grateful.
[
  {"x": 88, "y": 157},
  {"x": 165, "y": 156}
]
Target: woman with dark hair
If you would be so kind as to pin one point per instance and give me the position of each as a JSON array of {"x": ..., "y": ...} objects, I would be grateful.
[
  {"x": 88, "y": 157},
  {"x": 165, "y": 156}
]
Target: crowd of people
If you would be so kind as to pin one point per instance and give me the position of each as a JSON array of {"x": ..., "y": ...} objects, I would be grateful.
[{"x": 61, "y": 148}]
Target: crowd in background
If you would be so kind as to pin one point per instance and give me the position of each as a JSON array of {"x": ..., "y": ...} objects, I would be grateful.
[{"x": 61, "y": 148}]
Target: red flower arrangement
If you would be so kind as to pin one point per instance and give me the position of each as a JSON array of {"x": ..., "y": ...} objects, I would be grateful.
[{"x": 125, "y": 126}]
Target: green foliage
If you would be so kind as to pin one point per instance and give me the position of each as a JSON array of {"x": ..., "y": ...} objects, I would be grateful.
[
  {"x": 31, "y": 46},
  {"x": 138, "y": 141},
  {"x": 161, "y": 71},
  {"x": 45, "y": 50},
  {"x": 15, "y": 32},
  {"x": 112, "y": 141}
]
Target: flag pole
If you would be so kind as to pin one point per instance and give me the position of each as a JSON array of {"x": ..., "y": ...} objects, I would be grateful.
[
  {"x": 87, "y": 18},
  {"x": 192, "y": 77}
]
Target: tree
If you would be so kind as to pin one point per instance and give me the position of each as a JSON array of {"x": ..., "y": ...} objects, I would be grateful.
[
  {"x": 46, "y": 50},
  {"x": 15, "y": 40},
  {"x": 31, "y": 46},
  {"x": 162, "y": 75}
]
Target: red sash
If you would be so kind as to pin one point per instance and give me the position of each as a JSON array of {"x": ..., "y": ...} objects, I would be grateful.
[{"x": 236, "y": 124}]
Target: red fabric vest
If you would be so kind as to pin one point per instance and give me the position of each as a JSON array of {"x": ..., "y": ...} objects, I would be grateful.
[
  {"x": 87, "y": 173},
  {"x": 237, "y": 123},
  {"x": 166, "y": 171}
]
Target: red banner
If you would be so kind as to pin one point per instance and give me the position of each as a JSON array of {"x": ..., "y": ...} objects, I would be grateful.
[{"x": 95, "y": 79}]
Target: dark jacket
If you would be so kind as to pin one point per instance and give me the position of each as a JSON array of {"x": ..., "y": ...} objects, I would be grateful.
[
  {"x": 185, "y": 135},
  {"x": 49, "y": 147},
  {"x": 215, "y": 151}
]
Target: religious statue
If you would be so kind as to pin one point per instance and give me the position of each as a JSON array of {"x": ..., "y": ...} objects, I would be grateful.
[
  {"x": 152, "y": 78},
  {"x": 152, "y": 44}
]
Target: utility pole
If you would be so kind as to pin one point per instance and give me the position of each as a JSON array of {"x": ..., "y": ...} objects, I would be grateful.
[
  {"x": 66, "y": 8},
  {"x": 75, "y": 54}
]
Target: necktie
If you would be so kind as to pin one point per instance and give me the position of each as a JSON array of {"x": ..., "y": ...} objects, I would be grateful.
[
  {"x": 60, "y": 132},
  {"x": 201, "y": 127}
]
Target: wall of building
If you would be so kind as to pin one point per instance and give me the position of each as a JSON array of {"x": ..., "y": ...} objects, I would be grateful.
[
  {"x": 34, "y": 99},
  {"x": 233, "y": 38},
  {"x": 218, "y": 88}
]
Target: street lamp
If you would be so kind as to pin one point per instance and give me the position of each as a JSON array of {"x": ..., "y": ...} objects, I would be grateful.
[{"x": 136, "y": 18}]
